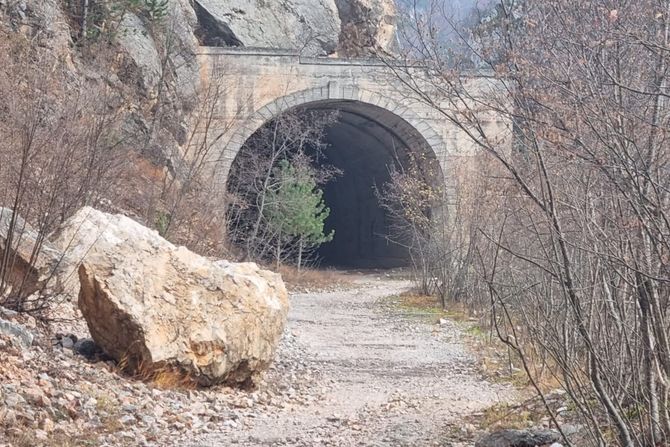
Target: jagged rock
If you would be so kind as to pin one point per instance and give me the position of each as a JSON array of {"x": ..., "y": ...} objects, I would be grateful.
[
  {"x": 26, "y": 275},
  {"x": 184, "y": 60},
  {"x": 367, "y": 26},
  {"x": 519, "y": 438},
  {"x": 43, "y": 21},
  {"x": 179, "y": 46},
  {"x": 312, "y": 26},
  {"x": 156, "y": 305},
  {"x": 135, "y": 39}
]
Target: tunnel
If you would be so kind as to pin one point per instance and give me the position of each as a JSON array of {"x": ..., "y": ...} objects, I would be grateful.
[{"x": 365, "y": 144}]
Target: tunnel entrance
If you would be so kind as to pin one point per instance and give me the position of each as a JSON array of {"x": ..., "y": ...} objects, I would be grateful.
[
  {"x": 365, "y": 153},
  {"x": 365, "y": 143}
]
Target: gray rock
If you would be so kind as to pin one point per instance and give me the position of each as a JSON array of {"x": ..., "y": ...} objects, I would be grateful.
[
  {"x": 185, "y": 63},
  {"x": 519, "y": 438},
  {"x": 135, "y": 39},
  {"x": 87, "y": 348},
  {"x": 67, "y": 343},
  {"x": 13, "y": 400},
  {"x": 22, "y": 335},
  {"x": 7, "y": 313},
  {"x": 571, "y": 429},
  {"x": 312, "y": 26},
  {"x": 177, "y": 41},
  {"x": 127, "y": 419}
]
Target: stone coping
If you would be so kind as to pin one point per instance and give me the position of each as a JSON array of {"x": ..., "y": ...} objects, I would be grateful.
[{"x": 313, "y": 60}]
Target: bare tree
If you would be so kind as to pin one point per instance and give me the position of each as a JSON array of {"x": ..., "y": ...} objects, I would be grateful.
[
  {"x": 58, "y": 151},
  {"x": 575, "y": 258}
]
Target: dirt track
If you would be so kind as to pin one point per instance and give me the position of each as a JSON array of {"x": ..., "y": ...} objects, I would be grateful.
[{"x": 373, "y": 375}]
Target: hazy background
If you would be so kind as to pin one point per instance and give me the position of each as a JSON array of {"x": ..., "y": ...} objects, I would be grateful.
[{"x": 451, "y": 20}]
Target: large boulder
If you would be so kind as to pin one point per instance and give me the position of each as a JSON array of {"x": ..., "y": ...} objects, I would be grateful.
[
  {"x": 157, "y": 307},
  {"x": 312, "y": 26}
]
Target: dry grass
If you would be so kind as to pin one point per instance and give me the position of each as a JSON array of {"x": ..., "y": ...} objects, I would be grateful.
[
  {"x": 505, "y": 416},
  {"x": 414, "y": 300},
  {"x": 313, "y": 280},
  {"x": 160, "y": 376}
]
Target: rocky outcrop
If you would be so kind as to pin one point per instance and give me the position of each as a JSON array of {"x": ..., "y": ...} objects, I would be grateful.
[
  {"x": 312, "y": 26},
  {"x": 156, "y": 306},
  {"x": 316, "y": 27},
  {"x": 137, "y": 43},
  {"x": 171, "y": 47},
  {"x": 28, "y": 268},
  {"x": 368, "y": 26}
]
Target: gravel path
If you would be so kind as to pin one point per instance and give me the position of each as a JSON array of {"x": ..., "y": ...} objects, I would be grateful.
[{"x": 360, "y": 372}]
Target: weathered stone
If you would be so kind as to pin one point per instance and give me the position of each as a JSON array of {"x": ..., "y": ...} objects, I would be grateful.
[
  {"x": 28, "y": 272},
  {"x": 176, "y": 39},
  {"x": 13, "y": 400},
  {"x": 135, "y": 39},
  {"x": 519, "y": 438},
  {"x": 312, "y": 26},
  {"x": 67, "y": 343},
  {"x": 184, "y": 61},
  {"x": 368, "y": 26},
  {"x": 157, "y": 305}
]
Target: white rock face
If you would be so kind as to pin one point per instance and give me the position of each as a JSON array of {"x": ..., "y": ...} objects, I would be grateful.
[
  {"x": 312, "y": 26},
  {"x": 135, "y": 39},
  {"x": 157, "y": 305},
  {"x": 315, "y": 27}
]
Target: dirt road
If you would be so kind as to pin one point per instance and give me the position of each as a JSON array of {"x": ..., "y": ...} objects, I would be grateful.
[{"x": 365, "y": 372}]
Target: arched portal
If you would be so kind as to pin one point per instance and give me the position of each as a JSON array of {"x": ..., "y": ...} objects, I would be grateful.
[{"x": 371, "y": 137}]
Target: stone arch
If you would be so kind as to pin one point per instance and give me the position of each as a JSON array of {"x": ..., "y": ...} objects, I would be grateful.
[
  {"x": 414, "y": 131},
  {"x": 373, "y": 133}
]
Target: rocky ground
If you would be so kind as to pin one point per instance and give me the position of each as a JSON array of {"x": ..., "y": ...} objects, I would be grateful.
[
  {"x": 352, "y": 369},
  {"x": 371, "y": 375}
]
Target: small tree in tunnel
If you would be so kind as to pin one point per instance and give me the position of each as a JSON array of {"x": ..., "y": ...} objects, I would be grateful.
[
  {"x": 296, "y": 211},
  {"x": 295, "y": 139}
]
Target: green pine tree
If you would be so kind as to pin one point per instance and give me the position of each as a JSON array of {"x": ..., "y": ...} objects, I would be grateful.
[{"x": 296, "y": 211}]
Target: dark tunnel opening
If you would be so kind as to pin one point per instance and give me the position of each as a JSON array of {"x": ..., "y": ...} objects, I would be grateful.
[
  {"x": 364, "y": 152},
  {"x": 365, "y": 143}
]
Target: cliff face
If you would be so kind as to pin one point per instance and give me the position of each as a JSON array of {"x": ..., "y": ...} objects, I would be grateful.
[
  {"x": 309, "y": 25},
  {"x": 316, "y": 27},
  {"x": 141, "y": 69}
]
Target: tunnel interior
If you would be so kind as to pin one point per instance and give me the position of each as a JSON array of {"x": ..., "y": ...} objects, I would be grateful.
[{"x": 365, "y": 143}]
